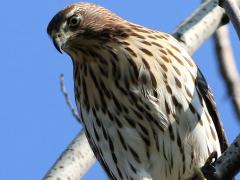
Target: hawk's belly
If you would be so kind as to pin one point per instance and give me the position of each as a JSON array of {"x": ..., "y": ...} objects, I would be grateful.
[{"x": 139, "y": 150}]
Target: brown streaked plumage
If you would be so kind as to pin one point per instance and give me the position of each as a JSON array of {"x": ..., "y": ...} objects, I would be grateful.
[{"x": 146, "y": 108}]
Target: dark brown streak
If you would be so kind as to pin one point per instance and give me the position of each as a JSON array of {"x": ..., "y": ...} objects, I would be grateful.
[
  {"x": 105, "y": 135},
  {"x": 110, "y": 115},
  {"x": 176, "y": 103},
  {"x": 142, "y": 30},
  {"x": 94, "y": 79},
  {"x": 178, "y": 83},
  {"x": 144, "y": 129},
  {"x": 131, "y": 51},
  {"x": 119, "y": 124},
  {"x": 122, "y": 140},
  {"x": 121, "y": 88},
  {"x": 115, "y": 57},
  {"x": 172, "y": 54},
  {"x": 192, "y": 109},
  {"x": 107, "y": 93},
  {"x": 179, "y": 142},
  {"x": 116, "y": 102},
  {"x": 177, "y": 70},
  {"x": 189, "y": 62},
  {"x": 104, "y": 104},
  {"x": 174, "y": 47},
  {"x": 104, "y": 71},
  {"x": 85, "y": 69},
  {"x": 147, "y": 52},
  {"x": 126, "y": 82},
  {"x": 163, "y": 51},
  {"x": 135, "y": 155},
  {"x": 181, "y": 148},
  {"x": 192, "y": 157},
  {"x": 99, "y": 57},
  {"x": 171, "y": 132},
  {"x": 134, "y": 66},
  {"x": 76, "y": 70},
  {"x": 155, "y": 121},
  {"x": 111, "y": 145},
  {"x": 132, "y": 167},
  {"x": 152, "y": 37},
  {"x": 116, "y": 71},
  {"x": 169, "y": 89},
  {"x": 145, "y": 139},
  {"x": 125, "y": 109},
  {"x": 199, "y": 119},
  {"x": 95, "y": 132},
  {"x": 114, "y": 157},
  {"x": 146, "y": 43},
  {"x": 166, "y": 59},
  {"x": 119, "y": 172},
  {"x": 96, "y": 117},
  {"x": 153, "y": 79},
  {"x": 156, "y": 44},
  {"x": 163, "y": 150},
  {"x": 155, "y": 138},
  {"x": 164, "y": 67},
  {"x": 85, "y": 97},
  {"x": 138, "y": 35},
  {"x": 171, "y": 162},
  {"x": 167, "y": 107},
  {"x": 130, "y": 121}
]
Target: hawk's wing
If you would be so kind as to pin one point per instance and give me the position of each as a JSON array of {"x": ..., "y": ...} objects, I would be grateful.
[{"x": 205, "y": 92}]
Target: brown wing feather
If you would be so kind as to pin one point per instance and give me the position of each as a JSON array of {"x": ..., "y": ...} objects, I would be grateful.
[{"x": 207, "y": 95}]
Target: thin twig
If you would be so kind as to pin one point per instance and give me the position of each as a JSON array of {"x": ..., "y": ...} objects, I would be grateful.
[
  {"x": 228, "y": 66},
  {"x": 233, "y": 12},
  {"x": 68, "y": 101}
]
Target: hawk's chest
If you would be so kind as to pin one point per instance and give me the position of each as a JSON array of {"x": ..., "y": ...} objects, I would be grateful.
[
  {"x": 118, "y": 142},
  {"x": 133, "y": 133}
]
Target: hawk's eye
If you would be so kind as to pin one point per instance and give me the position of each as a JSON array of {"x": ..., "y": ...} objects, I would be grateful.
[{"x": 73, "y": 21}]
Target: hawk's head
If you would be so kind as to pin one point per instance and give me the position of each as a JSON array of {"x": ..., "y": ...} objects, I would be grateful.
[{"x": 82, "y": 23}]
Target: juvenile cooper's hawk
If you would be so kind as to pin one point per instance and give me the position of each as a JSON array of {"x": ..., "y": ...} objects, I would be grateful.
[{"x": 146, "y": 108}]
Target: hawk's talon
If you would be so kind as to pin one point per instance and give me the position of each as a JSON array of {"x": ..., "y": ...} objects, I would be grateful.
[
  {"x": 209, "y": 168},
  {"x": 212, "y": 158}
]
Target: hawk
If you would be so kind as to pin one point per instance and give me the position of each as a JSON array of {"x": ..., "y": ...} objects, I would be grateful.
[{"x": 146, "y": 108}]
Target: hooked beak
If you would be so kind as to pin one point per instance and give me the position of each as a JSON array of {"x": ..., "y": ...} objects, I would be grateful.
[
  {"x": 59, "y": 42},
  {"x": 57, "y": 45}
]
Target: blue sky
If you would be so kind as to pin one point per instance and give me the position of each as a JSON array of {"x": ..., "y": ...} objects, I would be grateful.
[{"x": 36, "y": 124}]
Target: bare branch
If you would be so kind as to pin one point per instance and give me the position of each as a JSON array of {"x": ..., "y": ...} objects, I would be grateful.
[
  {"x": 68, "y": 101},
  {"x": 233, "y": 12},
  {"x": 200, "y": 25},
  {"x": 228, "y": 66},
  {"x": 74, "y": 162},
  {"x": 228, "y": 165}
]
